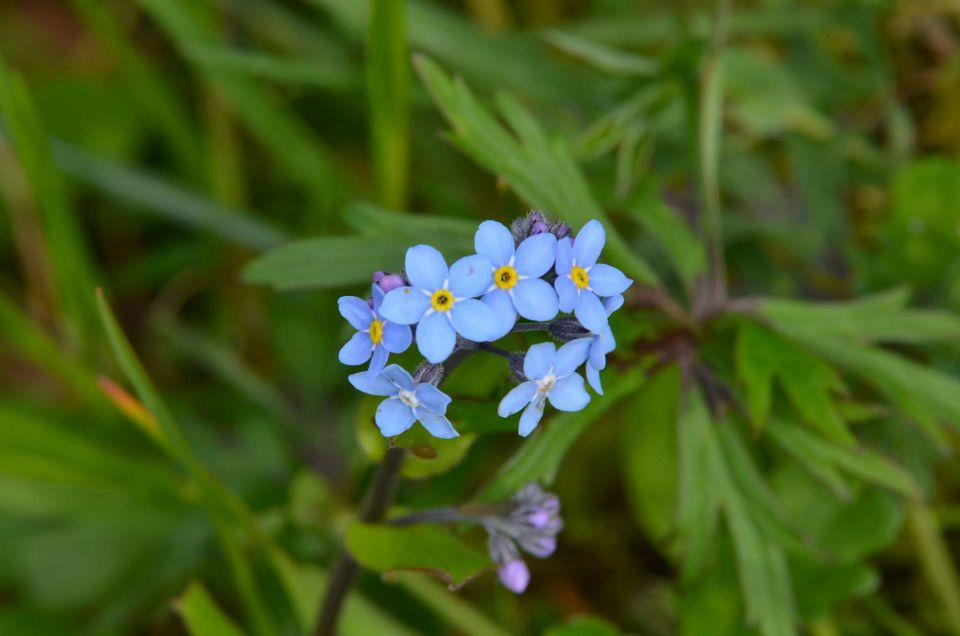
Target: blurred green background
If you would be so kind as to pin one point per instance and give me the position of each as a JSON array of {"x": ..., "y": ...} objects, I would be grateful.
[{"x": 165, "y": 150}]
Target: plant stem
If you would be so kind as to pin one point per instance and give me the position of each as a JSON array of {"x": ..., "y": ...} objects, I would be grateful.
[
  {"x": 530, "y": 326},
  {"x": 936, "y": 561},
  {"x": 375, "y": 506},
  {"x": 486, "y": 346}
]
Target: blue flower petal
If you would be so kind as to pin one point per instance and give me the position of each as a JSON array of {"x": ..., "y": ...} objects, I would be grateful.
[
  {"x": 433, "y": 398},
  {"x": 589, "y": 243},
  {"x": 356, "y": 311},
  {"x": 396, "y": 338},
  {"x": 608, "y": 281},
  {"x": 538, "y": 360},
  {"x": 377, "y": 295},
  {"x": 536, "y": 255},
  {"x": 436, "y": 424},
  {"x": 531, "y": 416},
  {"x": 567, "y": 293},
  {"x": 564, "y": 256},
  {"x": 378, "y": 385},
  {"x": 405, "y": 305},
  {"x": 425, "y": 267},
  {"x": 399, "y": 378},
  {"x": 593, "y": 377},
  {"x": 535, "y": 299},
  {"x": 393, "y": 417},
  {"x": 377, "y": 361},
  {"x": 613, "y": 303},
  {"x": 568, "y": 394},
  {"x": 357, "y": 350},
  {"x": 471, "y": 276},
  {"x": 518, "y": 397},
  {"x": 590, "y": 312},
  {"x": 570, "y": 356},
  {"x": 502, "y": 305},
  {"x": 435, "y": 337},
  {"x": 494, "y": 241},
  {"x": 475, "y": 321}
]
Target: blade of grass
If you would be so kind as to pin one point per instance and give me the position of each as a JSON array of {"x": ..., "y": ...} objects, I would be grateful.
[{"x": 387, "y": 100}]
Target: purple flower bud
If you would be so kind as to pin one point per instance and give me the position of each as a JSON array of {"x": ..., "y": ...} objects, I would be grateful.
[
  {"x": 388, "y": 282},
  {"x": 551, "y": 503},
  {"x": 560, "y": 230},
  {"x": 515, "y": 576},
  {"x": 539, "y": 227},
  {"x": 540, "y": 546},
  {"x": 539, "y": 518}
]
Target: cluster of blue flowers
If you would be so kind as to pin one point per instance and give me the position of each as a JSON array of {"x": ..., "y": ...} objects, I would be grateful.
[{"x": 535, "y": 271}]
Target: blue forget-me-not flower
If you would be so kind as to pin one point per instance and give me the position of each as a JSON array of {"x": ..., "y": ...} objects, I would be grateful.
[
  {"x": 581, "y": 281},
  {"x": 407, "y": 401},
  {"x": 551, "y": 374},
  {"x": 442, "y": 301},
  {"x": 376, "y": 338},
  {"x": 516, "y": 287},
  {"x": 601, "y": 344}
]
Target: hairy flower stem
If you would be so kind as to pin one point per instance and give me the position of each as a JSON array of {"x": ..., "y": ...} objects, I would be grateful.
[
  {"x": 486, "y": 346},
  {"x": 375, "y": 506},
  {"x": 530, "y": 326}
]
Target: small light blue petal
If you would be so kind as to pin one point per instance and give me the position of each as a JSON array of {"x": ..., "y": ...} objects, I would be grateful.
[
  {"x": 568, "y": 394},
  {"x": 536, "y": 255},
  {"x": 589, "y": 243},
  {"x": 475, "y": 321},
  {"x": 538, "y": 360},
  {"x": 535, "y": 299},
  {"x": 564, "y": 256},
  {"x": 425, "y": 267},
  {"x": 393, "y": 417},
  {"x": 607, "y": 341},
  {"x": 613, "y": 303},
  {"x": 377, "y": 361},
  {"x": 436, "y": 337},
  {"x": 518, "y": 397},
  {"x": 494, "y": 241},
  {"x": 356, "y": 311},
  {"x": 598, "y": 357},
  {"x": 379, "y": 385},
  {"x": 377, "y": 295},
  {"x": 570, "y": 356},
  {"x": 608, "y": 281},
  {"x": 357, "y": 350},
  {"x": 502, "y": 305},
  {"x": 471, "y": 276},
  {"x": 436, "y": 424},
  {"x": 593, "y": 377},
  {"x": 432, "y": 398},
  {"x": 589, "y": 311},
  {"x": 398, "y": 378},
  {"x": 396, "y": 338},
  {"x": 531, "y": 416},
  {"x": 404, "y": 305},
  {"x": 567, "y": 293}
]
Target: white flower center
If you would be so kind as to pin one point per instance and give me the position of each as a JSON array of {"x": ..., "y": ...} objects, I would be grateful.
[
  {"x": 546, "y": 383},
  {"x": 409, "y": 398}
]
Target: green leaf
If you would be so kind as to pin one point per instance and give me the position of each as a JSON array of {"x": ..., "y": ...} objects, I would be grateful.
[
  {"x": 668, "y": 228},
  {"x": 388, "y": 79},
  {"x": 584, "y": 626},
  {"x": 426, "y": 548},
  {"x": 601, "y": 56},
  {"x": 540, "y": 456},
  {"x": 201, "y": 614},
  {"x": 455, "y": 236},
  {"x": 314, "y": 72},
  {"x": 540, "y": 170},
  {"x": 449, "y": 606},
  {"x": 823, "y": 587},
  {"x": 762, "y": 355}
]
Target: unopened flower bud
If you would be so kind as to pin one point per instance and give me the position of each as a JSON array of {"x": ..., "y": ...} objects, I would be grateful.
[
  {"x": 515, "y": 576},
  {"x": 388, "y": 282},
  {"x": 540, "y": 546},
  {"x": 560, "y": 229},
  {"x": 539, "y": 518},
  {"x": 539, "y": 227},
  {"x": 567, "y": 328}
]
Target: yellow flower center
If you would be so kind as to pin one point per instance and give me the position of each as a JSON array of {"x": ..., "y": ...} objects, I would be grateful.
[
  {"x": 579, "y": 276},
  {"x": 442, "y": 300},
  {"x": 376, "y": 332},
  {"x": 505, "y": 277}
]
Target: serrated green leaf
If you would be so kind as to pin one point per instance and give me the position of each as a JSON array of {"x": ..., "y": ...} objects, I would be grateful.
[{"x": 426, "y": 548}]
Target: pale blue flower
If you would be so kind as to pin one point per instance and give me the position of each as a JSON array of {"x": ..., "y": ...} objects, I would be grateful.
[
  {"x": 376, "y": 338},
  {"x": 551, "y": 374},
  {"x": 516, "y": 286},
  {"x": 407, "y": 401},
  {"x": 581, "y": 282},
  {"x": 443, "y": 301},
  {"x": 601, "y": 344}
]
